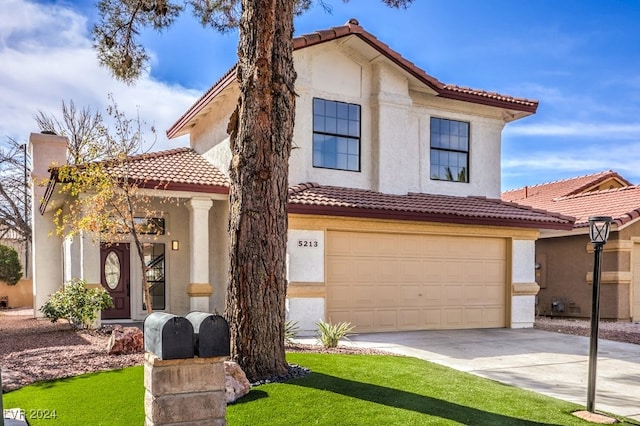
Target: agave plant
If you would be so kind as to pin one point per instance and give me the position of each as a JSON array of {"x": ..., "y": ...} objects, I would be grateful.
[
  {"x": 291, "y": 331},
  {"x": 330, "y": 334}
]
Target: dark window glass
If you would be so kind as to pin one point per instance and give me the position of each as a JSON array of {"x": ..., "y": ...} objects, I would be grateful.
[
  {"x": 155, "y": 260},
  {"x": 449, "y": 150},
  {"x": 336, "y": 135}
]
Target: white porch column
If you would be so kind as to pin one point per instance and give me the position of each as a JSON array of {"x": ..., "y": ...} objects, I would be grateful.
[{"x": 199, "y": 289}]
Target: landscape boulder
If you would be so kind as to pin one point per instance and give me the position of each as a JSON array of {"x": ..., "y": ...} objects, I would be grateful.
[
  {"x": 236, "y": 382},
  {"x": 125, "y": 340}
]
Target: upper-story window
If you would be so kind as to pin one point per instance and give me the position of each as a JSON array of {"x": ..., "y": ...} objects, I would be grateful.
[
  {"x": 449, "y": 150},
  {"x": 336, "y": 135}
]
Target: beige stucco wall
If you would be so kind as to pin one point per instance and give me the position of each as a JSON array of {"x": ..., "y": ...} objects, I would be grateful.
[
  {"x": 565, "y": 271},
  {"x": 20, "y": 295}
]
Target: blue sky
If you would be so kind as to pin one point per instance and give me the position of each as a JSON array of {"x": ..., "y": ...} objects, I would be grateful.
[{"x": 579, "y": 58}]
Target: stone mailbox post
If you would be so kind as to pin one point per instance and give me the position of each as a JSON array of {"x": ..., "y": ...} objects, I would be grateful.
[{"x": 180, "y": 389}]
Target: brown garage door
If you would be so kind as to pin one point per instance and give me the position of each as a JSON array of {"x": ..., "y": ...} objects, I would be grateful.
[{"x": 384, "y": 282}]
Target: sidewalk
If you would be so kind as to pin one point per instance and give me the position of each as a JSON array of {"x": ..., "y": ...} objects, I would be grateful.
[{"x": 548, "y": 363}]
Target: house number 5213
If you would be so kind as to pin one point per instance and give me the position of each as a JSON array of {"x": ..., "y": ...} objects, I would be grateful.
[{"x": 307, "y": 243}]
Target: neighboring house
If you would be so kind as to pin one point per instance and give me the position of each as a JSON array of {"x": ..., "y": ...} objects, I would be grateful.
[
  {"x": 564, "y": 259},
  {"x": 395, "y": 221},
  {"x": 19, "y": 295}
]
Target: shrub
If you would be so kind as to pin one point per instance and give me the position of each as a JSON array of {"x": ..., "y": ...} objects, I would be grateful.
[
  {"x": 10, "y": 268},
  {"x": 330, "y": 334},
  {"x": 291, "y": 331},
  {"x": 77, "y": 304}
]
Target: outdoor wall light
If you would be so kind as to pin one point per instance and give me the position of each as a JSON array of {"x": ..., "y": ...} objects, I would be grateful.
[
  {"x": 175, "y": 245},
  {"x": 598, "y": 232}
]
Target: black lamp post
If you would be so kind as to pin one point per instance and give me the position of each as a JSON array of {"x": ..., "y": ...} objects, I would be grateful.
[{"x": 598, "y": 232}]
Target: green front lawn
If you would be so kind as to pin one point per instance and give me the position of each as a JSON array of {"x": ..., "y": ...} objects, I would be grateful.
[{"x": 342, "y": 390}]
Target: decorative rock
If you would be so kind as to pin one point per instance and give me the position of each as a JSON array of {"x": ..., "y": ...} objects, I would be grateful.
[
  {"x": 125, "y": 340},
  {"x": 236, "y": 383},
  {"x": 12, "y": 380}
]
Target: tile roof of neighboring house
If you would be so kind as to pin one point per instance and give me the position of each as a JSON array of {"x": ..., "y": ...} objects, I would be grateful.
[
  {"x": 579, "y": 197},
  {"x": 311, "y": 198},
  {"x": 353, "y": 27}
]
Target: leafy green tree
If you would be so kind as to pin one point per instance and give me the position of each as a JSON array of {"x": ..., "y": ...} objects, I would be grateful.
[
  {"x": 261, "y": 132},
  {"x": 10, "y": 268}
]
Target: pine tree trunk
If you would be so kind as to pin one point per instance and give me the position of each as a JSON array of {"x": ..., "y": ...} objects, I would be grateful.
[{"x": 261, "y": 134}]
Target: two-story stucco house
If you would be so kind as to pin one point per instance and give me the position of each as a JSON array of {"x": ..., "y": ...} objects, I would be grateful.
[{"x": 395, "y": 217}]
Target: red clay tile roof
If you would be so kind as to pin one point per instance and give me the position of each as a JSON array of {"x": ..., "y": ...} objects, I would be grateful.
[
  {"x": 180, "y": 169},
  {"x": 311, "y": 198},
  {"x": 568, "y": 197},
  {"x": 353, "y": 27},
  {"x": 177, "y": 169}
]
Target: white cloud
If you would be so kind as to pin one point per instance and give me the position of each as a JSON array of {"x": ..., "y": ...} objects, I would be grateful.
[
  {"x": 46, "y": 56},
  {"x": 556, "y": 162},
  {"x": 608, "y": 131}
]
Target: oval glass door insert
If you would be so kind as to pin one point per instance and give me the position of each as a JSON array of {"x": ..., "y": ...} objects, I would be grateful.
[{"x": 112, "y": 270}]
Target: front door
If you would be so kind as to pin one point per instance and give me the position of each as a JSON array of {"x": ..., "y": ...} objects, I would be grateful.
[{"x": 115, "y": 277}]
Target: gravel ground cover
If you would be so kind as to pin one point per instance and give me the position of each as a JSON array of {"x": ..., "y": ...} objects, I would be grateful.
[
  {"x": 628, "y": 332},
  {"x": 32, "y": 350}
]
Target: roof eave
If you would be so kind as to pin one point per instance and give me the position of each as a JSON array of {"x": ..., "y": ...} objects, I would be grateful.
[
  {"x": 425, "y": 217},
  {"x": 179, "y": 128}
]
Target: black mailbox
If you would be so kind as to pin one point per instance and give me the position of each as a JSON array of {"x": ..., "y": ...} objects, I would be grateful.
[
  {"x": 211, "y": 334},
  {"x": 168, "y": 336}
]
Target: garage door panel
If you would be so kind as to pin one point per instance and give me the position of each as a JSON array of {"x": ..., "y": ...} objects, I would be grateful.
[
  {"x": 473, "y": 317},
  {"x": 432, "y": 295},
  {"x": 432, "y": 318},
  {"x": 339, "y": 296},
  {"x": 493, "y": 295},
  {"x": 385, "y": 281},
  {"x": 387, "y": 269},
  {"x": 410, "y": 319},
  {"x": 364, "y": 270},
  {"x": 341, "y": 270},
  {"x": 364, "y": 320},
  {"x": 453, "y": 295},
  {"x": 364, "y": 296},
  {"x": 410, "y": 271},
  {"x": 386, "y": 320},
  {"x": 493, "y": 317},
  {"x": 410, "y": 295},
  {"x": 453, "y": 272},
  {"x": 475, "y": 295},
  {"x": 432, "y": 271},
  {"x": 453, "y": 317},
  {"x": 386, "y": 295}
]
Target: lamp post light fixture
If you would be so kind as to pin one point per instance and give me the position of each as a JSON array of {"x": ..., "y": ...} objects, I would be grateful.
[{"x": 599, "y": 227}]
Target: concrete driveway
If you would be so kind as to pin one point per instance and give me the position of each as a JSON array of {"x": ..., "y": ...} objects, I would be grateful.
[{"x": 553, "y": 364}]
